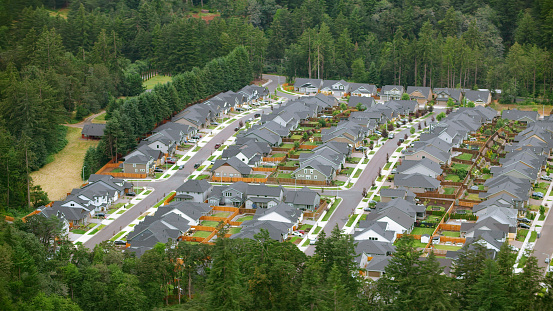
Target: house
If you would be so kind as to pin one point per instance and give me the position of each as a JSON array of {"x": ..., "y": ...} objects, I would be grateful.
[
  {"x": 303, "y": 199},
  {"x": 279, "y": 220},
  {"x": 417, "y": 182},
  {"x": 403, "y": 107},
  {"x": 375, "y": 267},
  {"x": 93, "y": 131},
  {"x": 502, "y": 215},
  {"x": 442, "y": 95},
  {"x": 428, "y": 152},
  {"x": 425, "y": 167},
  {"x": 307, "y": 86},
  {"x": 263, "y": 196},
  {"x": 75, "y": 216},
  {"x": 479, "y": 97},
  {"x": 421, "y": 94},
  {"x": 170, "y": 222},
  {"x": 388, "y": 194},
  {"x": 396, "y": 220},
  {"x": 315, "y": 170},
  {"x": 232, "y": 167},
  {"x": 365, "y": 101},
  {"x": 345, "y": 132},
  {"x": 193, "y": 190},
  {"x": 391, "y": 92},
  {"x": 163, "y": 141},
  {"x": 524, "y": 117},
  {"x": 335, "y": 87},
  {"x": 184, "y": 131},
  {"x": 231, "y": 195},
  {"x": 362, "y": 89},
  {"x": 374, "y": 231},
  {"x": 262, "y": 135},
  {"x": 139, "y": 164},
  {"x": 415, "y": 211},
  {"x": 332, "y": 146}
]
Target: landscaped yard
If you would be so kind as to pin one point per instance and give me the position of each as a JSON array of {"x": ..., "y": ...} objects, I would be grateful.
[
  {"x": 449, "y": 190},
  {"x": 291, "y": 163},
  {"x": 448, "y": 247},
  {"x": 421, "y": 231},
  {"x": 306, "y": 227},
  {"x": 433, "y": 218},
  {"x": 357, "y": 173},
  {"x": 542, "y": 187},
  {"x": 284, "y": 175},
  {"x": 203, "y": 176},
  {"x": 521, "y": 235},
  {"x": 453, "y": 178},
  {"x": 245, "y": 218},
  {"x": 464, "y": 156},
  {"x": 435, "y": 208},
  {"x": 78, "y": 231},
  {"x": 459, "y": 166},
  {"x": 351, "y": 220},
  {"x": 387, "y": 166},
  {"x": 209, "y": 223},
  {"x": 201, "y": 234},
  {"x": 287, "y": 146},
  {"x": 473, "y": 196},
  {"x": 317, "y": 230},
  {"x": 347, "y": 171},
  {"x": 117, "y": 236},
  {"x": 221, "y": 214},
  {"x": 487, "y": 176},
  {"x": 100, "y": 227},
  {"x": 454, "y": 234}
]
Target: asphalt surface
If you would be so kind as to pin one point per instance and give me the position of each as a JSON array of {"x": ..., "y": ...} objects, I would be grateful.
[{"x": 544, "y": 247}]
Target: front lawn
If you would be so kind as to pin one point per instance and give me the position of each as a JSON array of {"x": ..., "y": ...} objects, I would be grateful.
[
  {"x": 100, "y": 227},
  {"x": 351, "y": 220},
  {"x": 521, "y": 236},
  {"x": 78, "y": 231},
  {"x": 454, "y": 234},
  {"x": 354, "y": 160},
  {"x": 332, "y": 208},
  {"x": 387, "y": 166},
  {"x": 163, "y": 200},
  {"x": 533, "y": 236},
  {"x": 347, "y": 171},
  {"x": 421, "y": 231},
  {"x": 357, "y": 173},
  {"x": 203, "y": 176},
  {"x": 117, "y": 236},
  {"x": 317, "y": 230},
  {"x": 306, "y": 227}
]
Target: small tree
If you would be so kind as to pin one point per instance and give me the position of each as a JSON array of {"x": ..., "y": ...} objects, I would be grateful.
[
  {"x": 343, "y": 106},
  {"x": 241, "y": 123},
  {"x": 470, "y": 104},
  {"x": 430, "y": 108},
  {"x": 440, "y": 116},
  {"x": 450, "y": 103},
  {"x": 296, "y": 144},
  {"x": 405, "y": 96},
  {"x": 360, "y": 107},
  {"x": 412, "y": 130},
  {"x": 405, "y": 136},
  {"x": 420, "y": 127},
  {"x": 384, "y": 133}
]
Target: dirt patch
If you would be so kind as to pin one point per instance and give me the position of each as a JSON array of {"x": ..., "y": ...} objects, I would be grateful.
[
  {"x": 206, "y": 16},
  {"x": 64, "y": 173},
  {"x": 260, "y": 82},
  {"x": 540, "y": 108}
]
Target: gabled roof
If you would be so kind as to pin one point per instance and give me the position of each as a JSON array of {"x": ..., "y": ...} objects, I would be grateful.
[
  {"x": 193, "y": 185},
  {"x": 397, "y": 193},
  {"x": 427, "y": 163},
  {"x": 394, "y": 214},
  {"x": 362, "y": 88},
  {"x": 374, "y": 247},
  {"x": 377, "y": 227},
  {"x": 264, "y": 190},
  {"x": 387, "y": 88},
  {"x": 93, "y": 129},
  {"x": 303, "y": 196},
  {"x": 326, "y": 170},
  {"x": 416, "y": 181},
  {"x": 364, "y": 100},
  {"x": 424, "y": 90},
  {"x": 235, "y": 163},
  {"x": 403, "y": 205},
  {"x": 291, "y": 214},
  {"x": 516, "y": 115},
  {"x": 138, "y": 159},
  {"x": 302, "y": 82},
  {"x": 453, "y": 93},
  {"x": 477, "y": 96}
]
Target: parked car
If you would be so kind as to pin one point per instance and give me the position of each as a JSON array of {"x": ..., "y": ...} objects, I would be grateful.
[
  {"x": 401, "y": 140},
  {"x": 158, "y": 170},
  {"x": 192, "y": 140},
  {"x": 312, "y": 242},
  {"x": 537, "y": 194},
  {"x": 131, "y": 194},
  {"x": 391, "y": 136},
  {"x": 197, "y": 137},
  {"x": 394, "y": 171},
  {"x": 360, "y": 148},
  {"x": 257, "y": 115},
  {"x": 119, "y": 242},
  {"x": 101, "y": 215},
  {"x": 217, "y": 146},
  {"x": 171, "y": 161},
  {"x": 548, "y": 178},
  {"x": 547, "y": 259},
  {"x": 214, "y": 123},
  {"x": 378, "y": 132},
  {"x": 297, "y": 233},
  {"x": 181, "y": 167},
  {"x": 367, "y": 209},
  {"x": 197, "y": 165},
  {"x": 524, "y": 219},
  {"x": 524, "y": 226}
]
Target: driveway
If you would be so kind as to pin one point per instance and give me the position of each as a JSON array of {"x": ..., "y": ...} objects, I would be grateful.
[{"x": 88, "y": 120}]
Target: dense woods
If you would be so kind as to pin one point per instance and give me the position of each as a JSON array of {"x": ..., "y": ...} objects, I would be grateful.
[{"x": 260, "y": 274}]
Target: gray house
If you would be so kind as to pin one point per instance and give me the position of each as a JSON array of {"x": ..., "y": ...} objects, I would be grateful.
[
  {"x": 193, "y": 190},
  {"x": 389, "y": 92},
  {"x": 307, "y": 86},
  {"x": 303, "y": 199},
  {"x": 263, "y": 196}
]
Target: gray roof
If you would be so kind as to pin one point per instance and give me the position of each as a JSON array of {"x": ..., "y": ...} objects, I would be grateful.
[
  {"x": 403, "y": 205},
  {"x": 326, "y": 170},
  {"x": 453, "y": 93},
  {"x": 193, "y": 185},
  {"x": 416, "y": 181},
  {"x": 251, "y": 228},
  {"x": 378, "y": 227},
  {"x": 424, "y": 90},
  {"x": 303, "y": 196},
  {"x": 516, "y": 115},
  {"x": 387, "y": 88},
  {"x": 304, "y": 82},
  {"x": 477, "y": 96},
  {"x": 378, "y": 263},
  {"x": 397, "y": 193},
  {"x": 235, "y": 163},
  {"x": 394, "y": 214},
  {"x": 362, "y": 88},
  {"x": 374, "y": 247},
  {"x": 264, "y": 190},
  {"x": 93, "y": 129},
  {"x": 429, "y": 164}
]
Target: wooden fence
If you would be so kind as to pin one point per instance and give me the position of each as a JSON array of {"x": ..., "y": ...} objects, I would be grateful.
[
  {"x": 235, "y": 179},
  {"x": 452, "y": 239},
  {"x": 170, "y": 198},
  {"x": 288, "y": 168},
  {"x": 271, "y": 159},
  {"x": 225, "y": 208},
  {"x": 308, "y": 147},
  {"x": 247, "y": 210},
  {"x": 111, "y": 165},
  {"x": 435, "y": 195},
  {"x": 294, "y": 181},
  {"x": 235, "y": 223},
  {"x": 451, "y": 183},
  {"x": 448, "y": 227},
  {"x": 213, "y": 218},
  {"x": 203, "y": 228},
  {"x": 475, "y": 191},
  {"x": 315, "y": 214},
  {"x": 294, "y": 156},
  {"x": 455, "y": 160},
  {"x": 280, "y": 149},
  {"x": 264, "y": 169},
  {"x": 468, "y": 203},
  {"x": 463, "y": 150}
]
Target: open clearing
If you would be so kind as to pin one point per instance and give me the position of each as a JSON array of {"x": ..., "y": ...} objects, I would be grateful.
[
  {"x": 153, "y": 81},
  {"x": 101, "y": 119},
  {"x": 64, "y": 173}
]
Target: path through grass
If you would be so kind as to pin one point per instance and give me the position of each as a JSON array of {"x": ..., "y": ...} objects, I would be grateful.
[{"x": 64, "y": 173}]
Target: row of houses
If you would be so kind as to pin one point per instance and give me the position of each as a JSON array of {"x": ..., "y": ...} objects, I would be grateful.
[
  {"x": 162, "y": 143},
  {"x": 83, "y": 203},
  {"x": 422, "y": 95},
  {"x": 508, "y": 192}
]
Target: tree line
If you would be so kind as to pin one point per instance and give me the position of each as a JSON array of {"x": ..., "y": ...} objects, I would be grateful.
[
  {"x": 40, "y": 273},
  {"x": 130, "y": 119}
]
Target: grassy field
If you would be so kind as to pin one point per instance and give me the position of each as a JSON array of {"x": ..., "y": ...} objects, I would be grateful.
[
  {"x": 159, "y": 79},
  {"x": 465, "y": 156},
  {"x": 202, "y": 234},
  {"x": 64, "y": 173},
  {"x": 454, "y": 234},
  {"x": 244, "y": 218},
  {"x": 501, "y": 107},
  {"x": 421, "y": 231},
  {"x": 209, "y": 223},
  {"x": 101, "y": 119}
]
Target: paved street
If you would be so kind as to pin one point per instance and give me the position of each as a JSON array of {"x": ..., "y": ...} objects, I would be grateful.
[{"x": 543, "y": 245}]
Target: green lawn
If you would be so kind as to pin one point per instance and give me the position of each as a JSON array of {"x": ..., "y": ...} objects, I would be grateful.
[
  {"x": 100, "y": 227},
  {"x": 347, "y": 171},
  {"x": 357, "y": 173},
  {"x": 306, "y": 243},
  {"x": 245, "y": 218},
  {"x": 522, "y": 261},
  {"x": 291, "y": 163},
  {"x": 197, "y": 149},
  {"x": 317, "y": 230},
  {"x": 366, "y": 161},
  {"x": 288, "y": 146},
  {"x": 159, "y": 79},
  {"x": 449, "y": 190},
  {"x": 161, "y": 202},
  {"x": 533, "y": 236},
  {"x": 234, "y": 230},
  {"x": 542, "y": 187},
  {"x": 284, "y": 175},
  {"x": 454, "y": 234},
  {"x": 364, "y": 217},
  {"x": 354, "y": 160},
  {"x": 115, "y": 237},
  {"x": 448, "y": 247},
  {"x": 486, "y": 176},
  {"x": 221, "y": 214},
  {"x": 332, "y": 208},
  {"x": 306, "y": 227},
  {"x": 433, "y": 218},
  {"x": 473, "y": 196},
  {"x": 78, "y": 231},
  {"x": 209, "y": 223},
  {"x": 387, "y": 166},
  {"x": 186, "y": 158},
  {"x": 435, "y": 208},
  {"x": 421, "y": 231},
  {"x": 351, "y": 220},
  {"x": 521, "y": 236},
  {"x": 453, "y": 178},
  {"x": 464, "y": 156},
  {"x": 459, "y": 166},
  {"x": 296, "y": 137},
  {"x": 202, "y": 234},
  {"x": 203, "y": 176},
  {"x": 278, "y": 155}
]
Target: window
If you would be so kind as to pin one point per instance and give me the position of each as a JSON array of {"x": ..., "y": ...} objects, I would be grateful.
[
  {"x": 305, "y": 171},
  {"x": 373, "y": 238},
  {"x": 423, "y": 157},
  {"x": 157, "y": 146},
  {"x": 224, "y": 174},
  {"x": 314, "y": 176},
  {"x": 136, "y": 170},
  {"x": 228, "y": 194},
  {"x": 217, "y": 174},
  {"x": 341, "y": 87},
  {"x": 142, "y": 170},
  {"x": 310, "y": 171},
  {"x": 307, "y": 176},
  {"x": 134, "y": 165},
  {"x": 231, "y": 174}
]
